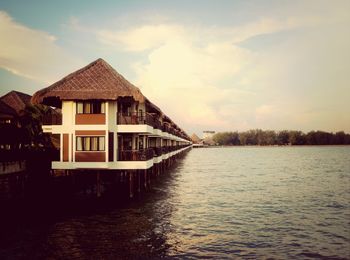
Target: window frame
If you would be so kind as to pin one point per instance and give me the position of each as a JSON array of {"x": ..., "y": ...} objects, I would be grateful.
[
  {"x": 89, "y": 139},
  {"x": 92, "y": 106}
]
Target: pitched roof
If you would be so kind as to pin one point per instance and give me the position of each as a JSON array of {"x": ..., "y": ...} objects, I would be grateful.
[
  {"x": 98, "y": 80},
  {"x": 16, "y": 100},
  {"x": 6, "y": 111},
  {"x": 195, "y": 138}
]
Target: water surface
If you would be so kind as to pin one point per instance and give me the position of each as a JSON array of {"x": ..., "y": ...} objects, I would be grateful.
[{"x": 248, "y": 202}]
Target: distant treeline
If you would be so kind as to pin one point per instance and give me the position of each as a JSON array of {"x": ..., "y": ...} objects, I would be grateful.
[{"x": 285, "y": 137}]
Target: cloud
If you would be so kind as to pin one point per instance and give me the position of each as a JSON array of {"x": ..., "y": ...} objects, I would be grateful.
[
  {"x": 32, "y": 53},
  {"x": 207, "y": 74},
  {"x": 286, "y": 66},
  {"x": 141, "y": 38},
  {"x": 191, "y": 70}
]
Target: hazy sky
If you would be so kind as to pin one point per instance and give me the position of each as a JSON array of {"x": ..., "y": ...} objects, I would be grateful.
[{"x": 209, "y": 65}]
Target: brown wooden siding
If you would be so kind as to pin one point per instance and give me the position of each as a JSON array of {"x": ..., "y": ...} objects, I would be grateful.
[
  {"x": 90, "y": 156},
  {"x": 65, "y": 147},
  {"x": 90, "y": 119},
  {"x": 90, "y": 132}
]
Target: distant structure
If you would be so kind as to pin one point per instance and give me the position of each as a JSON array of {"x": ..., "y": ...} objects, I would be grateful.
[
  {"x": 17, "y": 100},
  {"x": 11, "y": 137},
  {"x": 11, "y": 106},
  {"x": 208, "y": 134},
  {"x": 195, "y": 139}
]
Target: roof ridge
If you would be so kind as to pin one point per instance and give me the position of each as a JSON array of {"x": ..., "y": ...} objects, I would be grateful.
[{"x": 97, "y": 80}]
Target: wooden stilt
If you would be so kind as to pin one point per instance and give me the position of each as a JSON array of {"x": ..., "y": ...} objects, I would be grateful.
[
  {"x": 148, "y": 179},
  {"x": 98, "y": 184},
  {"x": 139, "y": 181},
  {"x": 131, "y": 184},
  {"x": 145, "y": 179}
]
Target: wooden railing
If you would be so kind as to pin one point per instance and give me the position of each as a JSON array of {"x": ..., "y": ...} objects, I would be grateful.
[
  {"x": 136, "y": 155},
  {"x": 52, "y": 119},
  {"x": 146, "y": 154},
  {"x": 157, "y": 151},
  {"x": 137, "y": 118}
]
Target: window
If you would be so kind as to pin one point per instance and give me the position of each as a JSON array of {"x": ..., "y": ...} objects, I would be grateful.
[
  {"x": 80, "y": 106},
  {"x": 91, "y": 107},
  {"x": 90, "y": 143}
]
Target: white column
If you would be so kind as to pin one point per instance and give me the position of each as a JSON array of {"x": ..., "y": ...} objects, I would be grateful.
[
  {"x": 70, "y": 143},
  {"x": 74, "y": 146},
  {"x": 61, "y": 147},
  {"x": 115, "y": 145},
  {"x": 107, "y": 133}
]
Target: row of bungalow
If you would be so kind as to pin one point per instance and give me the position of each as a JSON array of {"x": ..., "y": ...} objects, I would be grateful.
[
  {"x": 12, "y": 106},
  {"x": 106, "y": 123}
]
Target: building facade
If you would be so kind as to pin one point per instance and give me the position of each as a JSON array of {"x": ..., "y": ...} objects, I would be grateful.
[{"x": 107, "y": 123}]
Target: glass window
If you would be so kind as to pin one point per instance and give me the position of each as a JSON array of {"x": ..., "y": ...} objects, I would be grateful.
[
  {"x": 90, "y": 107},
  {"x": 90, "y": 143},
  {"x": 79, "y": 143},
  {"x": 86, "y": 144},
  {"x": 87, "y": 108},
  {"x": 94, "y": 143},
  {"x": 80, "y": 107},
  {"x": 101, "y": 143}
]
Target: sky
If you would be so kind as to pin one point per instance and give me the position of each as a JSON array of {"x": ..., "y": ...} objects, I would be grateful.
[{"x": 209, "y": 65}]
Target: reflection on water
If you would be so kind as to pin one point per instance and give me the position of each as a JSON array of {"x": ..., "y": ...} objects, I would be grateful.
[{"x": 278, "y": 202}]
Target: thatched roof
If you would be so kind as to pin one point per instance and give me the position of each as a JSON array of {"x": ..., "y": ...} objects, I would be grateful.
[
  {"x": 16, "y": 100},
  {"x": 6, "y": 111},
  {"x": 195, "y": 138},
  {"x": 98, "y": 80}
]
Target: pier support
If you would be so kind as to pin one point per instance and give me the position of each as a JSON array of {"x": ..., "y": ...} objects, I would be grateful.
[
  {"x": 145, "y": 179},
  {"x": 139, "y": 181},
  {"x": 98, "y": 184},
  {"x": 131, "y": 184}
]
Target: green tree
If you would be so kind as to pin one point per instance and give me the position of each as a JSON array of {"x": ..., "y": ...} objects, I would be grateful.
[
  {"x": 31, "y": 119},
  {"x": 283, "y": 137},
  {"x": 296, "y": 138}
]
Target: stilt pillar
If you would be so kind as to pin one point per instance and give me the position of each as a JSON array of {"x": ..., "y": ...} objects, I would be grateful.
[
  {"x": 139, "y": 181},
  {"x": 98, "y": 184},
  {"x": 145, "y": 179},
  {"x": 131, "y": 184}
]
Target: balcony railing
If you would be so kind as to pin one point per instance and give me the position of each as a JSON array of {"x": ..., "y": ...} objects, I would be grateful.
[
  {"x": 136, "y": 155},
  {"x": 147, "y": 154},
  {"x": 165, "y": 149},
  {"x": 52, "y": 119},
  {"x": 137, "y": 118},
  {"x": 155, "y": 122},
  {"x": 157, "y": 151}
]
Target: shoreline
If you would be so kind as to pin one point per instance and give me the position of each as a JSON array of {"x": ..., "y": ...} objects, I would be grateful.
[{"x": 272, "y": 146}]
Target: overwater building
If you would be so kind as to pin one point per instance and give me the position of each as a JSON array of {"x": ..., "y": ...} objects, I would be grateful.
[{"x": 107, "y": 123}]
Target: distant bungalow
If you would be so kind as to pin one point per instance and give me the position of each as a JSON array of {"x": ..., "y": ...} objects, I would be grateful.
[
  {"x": 12, "y": 105},
  {"x": 107, "y": 123}
]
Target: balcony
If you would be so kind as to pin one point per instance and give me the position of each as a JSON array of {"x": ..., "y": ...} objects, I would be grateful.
[
  {"x": 52, "y": 119},
  {"x": 137, "y": 118},
  {"x": 165, "y": 149},
  {"x": 136, "y": 155},
  {"x": 158, "y": 151},
  {"x": 155, "y": 122}
]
